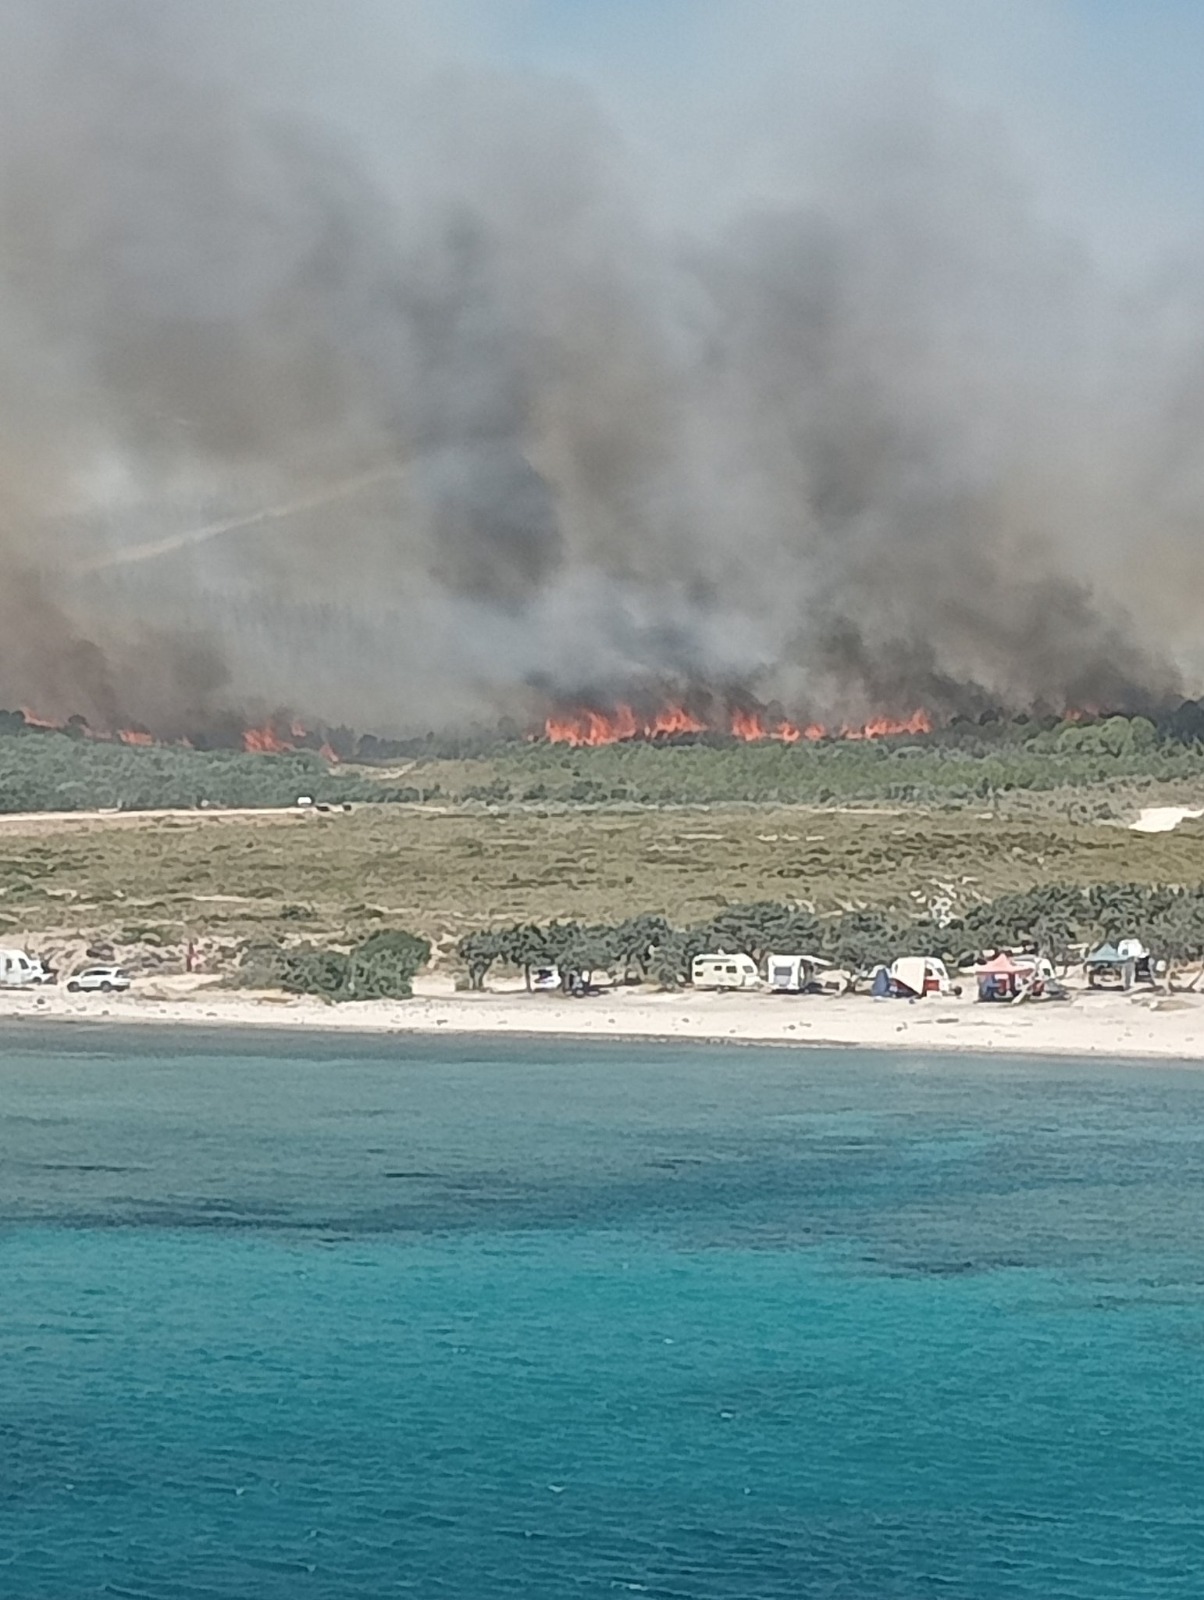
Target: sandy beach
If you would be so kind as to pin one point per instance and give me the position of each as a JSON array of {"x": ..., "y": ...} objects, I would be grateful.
[{"x": 1168, "y": 1027}]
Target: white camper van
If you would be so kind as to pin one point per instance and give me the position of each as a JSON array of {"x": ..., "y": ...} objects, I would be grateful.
[
  {"x": 792, "y": 974},
  {"x": 18, "y": 971},
  {"x": 724, "y": 972}
]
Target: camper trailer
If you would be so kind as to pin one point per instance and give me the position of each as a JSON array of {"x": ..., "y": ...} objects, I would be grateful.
[
  {"x": 19, "y": 971},
  {"x": 724, "y": 972},
  {"x": 793, "y": 974},
  {"x": 912, "y": 977}
]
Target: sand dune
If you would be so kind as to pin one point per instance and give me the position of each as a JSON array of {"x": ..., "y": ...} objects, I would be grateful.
[{"x": 1162, "y": 819}]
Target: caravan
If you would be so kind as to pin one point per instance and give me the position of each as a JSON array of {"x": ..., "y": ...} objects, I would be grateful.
[
  {"x": 724, "y": 972},
  {"x": 19, "y": 971},
  {"x": 793, "y": 974}
]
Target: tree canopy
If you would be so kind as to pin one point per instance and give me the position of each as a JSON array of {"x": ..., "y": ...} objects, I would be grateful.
[{"x": 1051, "y": 919}]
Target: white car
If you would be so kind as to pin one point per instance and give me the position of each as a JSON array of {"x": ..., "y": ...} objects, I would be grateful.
[{"x": 104, "y": 979}]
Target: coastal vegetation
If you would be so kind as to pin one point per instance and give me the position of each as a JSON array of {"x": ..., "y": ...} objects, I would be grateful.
[
  {"x": 45, "y": 770},
  {"x": 381, "y": 967},
  {"x": 1057, "y": 920},
  {"x": 559, "y": 852},
  {"x": 1080, "y": 770},
  {"x": 220, "y": 880}
]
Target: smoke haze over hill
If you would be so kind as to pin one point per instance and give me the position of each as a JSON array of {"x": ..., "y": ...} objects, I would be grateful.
[{"x": 351, "y": 365}]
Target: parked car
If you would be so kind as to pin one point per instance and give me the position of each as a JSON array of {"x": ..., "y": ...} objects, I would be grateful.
[{"x": 102, "y": 979}]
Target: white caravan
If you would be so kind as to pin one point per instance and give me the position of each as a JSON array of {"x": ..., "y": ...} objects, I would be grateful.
[
  {"x": 18, "y": 971},
  {"x": 793, "y": 974},
  {"x": 724, "y": 972}
]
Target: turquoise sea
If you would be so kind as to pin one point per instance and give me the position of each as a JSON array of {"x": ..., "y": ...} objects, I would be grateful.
[{"x": 368, "y": 1319}]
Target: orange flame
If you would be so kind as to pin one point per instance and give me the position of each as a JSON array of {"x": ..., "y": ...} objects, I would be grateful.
[
  {"x": 752, "y": 727},
  {"x": 35, "y": 721},
  {"x": 885, "y": 727},
  {"x": 269, "y": 739},
  {"x": 588, "y": 727},
  {"x": 265, "y": 741},
  {"x": 623, "y": 722}
]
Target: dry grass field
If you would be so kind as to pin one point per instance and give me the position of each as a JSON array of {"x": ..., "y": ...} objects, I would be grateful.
[{"x": 156, "y": 881}]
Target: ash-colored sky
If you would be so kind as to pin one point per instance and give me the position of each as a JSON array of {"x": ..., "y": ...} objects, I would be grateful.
[
  {"x": 847, "y": 354},
  {"x": 1104, "y": 97}
]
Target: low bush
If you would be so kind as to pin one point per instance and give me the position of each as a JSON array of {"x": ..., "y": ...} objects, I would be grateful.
[{"x": 382, "y": 967}]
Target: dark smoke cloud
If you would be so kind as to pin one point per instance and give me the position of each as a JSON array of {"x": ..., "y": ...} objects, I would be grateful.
[{"x": 866, "y": 439}]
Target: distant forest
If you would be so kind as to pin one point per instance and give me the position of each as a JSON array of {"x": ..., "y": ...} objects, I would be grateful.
[
  {"x": 41, "y": 770},
  {"x": 966, "y": 764}
]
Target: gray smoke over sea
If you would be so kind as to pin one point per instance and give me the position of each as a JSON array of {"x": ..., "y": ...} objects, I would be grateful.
[{"x": 348, "y": 370}]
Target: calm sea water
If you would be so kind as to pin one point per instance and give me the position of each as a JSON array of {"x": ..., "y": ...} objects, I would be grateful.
[{"x": 479, "y": 1320}]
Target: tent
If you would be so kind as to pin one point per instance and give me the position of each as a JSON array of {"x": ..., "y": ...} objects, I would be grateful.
[
  {"x": 1001, "y": 977},
  {"x": 1002, "y": 963},
  {"x": 1107, "y": 955},
  {"x": 909, "y": 973},
  {"x": 1109, "y": 968},
  {"x": 912, "y": 977},
  {"x": 920, "y": 975}
]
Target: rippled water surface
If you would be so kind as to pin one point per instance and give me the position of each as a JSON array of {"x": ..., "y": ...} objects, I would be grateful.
[{"x": 471, "y": 1320}]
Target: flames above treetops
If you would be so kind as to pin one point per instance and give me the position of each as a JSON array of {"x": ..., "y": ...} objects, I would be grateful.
[
  {"x": 587, "y": 726},
  {"x": 581, "y": 726},
  {"x": 274, "y": 736}
]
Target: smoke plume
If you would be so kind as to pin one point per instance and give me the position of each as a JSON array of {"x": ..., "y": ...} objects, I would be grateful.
[{"x": 345, "y": 372}]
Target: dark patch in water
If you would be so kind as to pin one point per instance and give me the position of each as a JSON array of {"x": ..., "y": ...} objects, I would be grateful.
[{"x": 84, "y": 1166}]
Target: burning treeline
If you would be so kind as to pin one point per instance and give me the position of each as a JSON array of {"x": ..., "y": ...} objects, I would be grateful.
[
  {"x": 341, "y": 376},
  {"x": 588, "y": 727},
  {"x": 584, "y": 728}
]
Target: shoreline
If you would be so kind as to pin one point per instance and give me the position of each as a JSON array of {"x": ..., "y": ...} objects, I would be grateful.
[{"x": 1138, "y": 1025}]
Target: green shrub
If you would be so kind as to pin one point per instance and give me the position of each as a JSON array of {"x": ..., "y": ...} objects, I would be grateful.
[{"x": 383, "y": 967}]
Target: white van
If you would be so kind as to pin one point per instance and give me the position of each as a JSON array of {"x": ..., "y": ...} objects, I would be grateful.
[
  {"x": 18, "y": 971},
  {"x": 792, "y": 974},
  {"x": 724, "y": 972}
]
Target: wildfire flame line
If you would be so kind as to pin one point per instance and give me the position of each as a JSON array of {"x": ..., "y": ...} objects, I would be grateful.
[
  {"x": 270, "y": 739},
  {"x": 588, "y": 727},
  {"x": 580, "y": 727}
]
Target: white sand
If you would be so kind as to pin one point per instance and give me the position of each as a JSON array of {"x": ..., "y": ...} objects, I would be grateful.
[
  {"x": 1102, "y": 1024},
  {"x": 1162, "y": 819}
]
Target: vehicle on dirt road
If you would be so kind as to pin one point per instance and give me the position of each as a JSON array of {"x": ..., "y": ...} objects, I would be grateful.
[{"x": 102, "y": 980}]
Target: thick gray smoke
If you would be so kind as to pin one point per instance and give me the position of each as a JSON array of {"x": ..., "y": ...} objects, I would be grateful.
[{"x": 342, "y": 377}]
